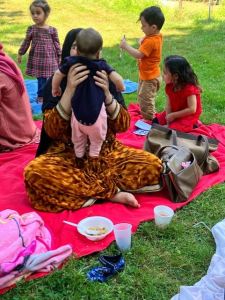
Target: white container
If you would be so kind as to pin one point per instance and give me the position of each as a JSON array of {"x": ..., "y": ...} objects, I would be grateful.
[
  {"x": 163, "y": 215},
  {"x": 122, "y": 234},
  {"x": 90, "y": 223}
]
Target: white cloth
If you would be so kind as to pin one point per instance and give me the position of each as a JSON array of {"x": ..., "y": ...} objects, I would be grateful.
[{"x": 212, "y": 285}]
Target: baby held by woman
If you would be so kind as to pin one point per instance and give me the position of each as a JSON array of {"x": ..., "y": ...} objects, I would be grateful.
[{"x": 89, "y": 117}]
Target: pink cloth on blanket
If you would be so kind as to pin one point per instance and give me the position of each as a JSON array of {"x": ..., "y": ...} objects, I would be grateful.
[
  {"x": 24, "y": 238},
  {"x": 7, "y": 267},
  {"x": 46, "y": 262}
]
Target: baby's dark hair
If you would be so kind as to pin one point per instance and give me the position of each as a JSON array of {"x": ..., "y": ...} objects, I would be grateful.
[
  {"x": 179, "y": 65},
  {"x": 153, "y": 16},
  {"x": 42, "y": 4},
  {"x": 89, "y": 42}
]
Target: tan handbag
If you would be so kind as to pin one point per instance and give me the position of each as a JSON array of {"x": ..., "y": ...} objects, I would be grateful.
[
  {"x": 181, "y": 172},
  {"x": 200, "y": 145}
]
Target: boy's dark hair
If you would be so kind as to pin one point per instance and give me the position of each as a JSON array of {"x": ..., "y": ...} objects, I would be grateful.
[
  {"x": 153, "y": 16},
  {"x": 89, "y": 41},
  {"x": 179, "y": 65},
  {"x": 43, "y": 4}
]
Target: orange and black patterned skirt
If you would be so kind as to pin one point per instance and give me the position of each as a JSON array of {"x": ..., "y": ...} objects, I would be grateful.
[{"x": 55, "y": 181}]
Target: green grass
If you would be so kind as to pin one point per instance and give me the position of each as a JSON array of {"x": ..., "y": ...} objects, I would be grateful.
[{"x": 159, "y": 261}]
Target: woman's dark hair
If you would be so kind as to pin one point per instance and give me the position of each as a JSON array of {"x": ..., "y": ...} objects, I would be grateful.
[
  {"x": 42, "y": 4},
  {"x": 178, "y": 65},
  {"x": 68, "y": 42}
]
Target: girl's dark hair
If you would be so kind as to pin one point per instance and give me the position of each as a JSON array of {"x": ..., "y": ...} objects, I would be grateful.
[
  {"x": 68, "y": 42},
  {"x": 178, "y": 65},
  {"x": 42, "y": 4}
]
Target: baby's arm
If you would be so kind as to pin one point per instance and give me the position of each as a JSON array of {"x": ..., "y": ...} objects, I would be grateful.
[
  {"x": 191, "y": 109},
  {"x": 56, "y": 81},
  {"x": 117, "y": 80},
  {"x": 132, "y": 51}
]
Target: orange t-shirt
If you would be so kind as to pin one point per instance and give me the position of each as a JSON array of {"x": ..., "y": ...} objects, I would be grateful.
[{"x": 151, "y": 47}]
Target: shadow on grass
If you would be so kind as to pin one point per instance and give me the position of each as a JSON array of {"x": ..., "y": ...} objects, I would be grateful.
[{"x": 201, "y": 44}]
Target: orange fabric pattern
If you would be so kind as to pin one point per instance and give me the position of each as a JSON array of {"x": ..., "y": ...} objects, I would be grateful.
[
  {"x": 151, "y": 47},
  {"x": 55, "y": 182}
]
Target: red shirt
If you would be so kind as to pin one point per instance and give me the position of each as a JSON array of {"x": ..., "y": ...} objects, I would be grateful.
[{"x": 178, "y": 99}]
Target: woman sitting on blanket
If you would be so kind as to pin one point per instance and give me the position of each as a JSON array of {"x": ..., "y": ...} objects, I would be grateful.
[
  {"x": 16, "y": 124},
  {"x": 53, "y": 180}
]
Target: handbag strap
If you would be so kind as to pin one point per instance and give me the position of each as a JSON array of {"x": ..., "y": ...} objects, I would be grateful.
[
  {"x": 202, "y": 140},
  {"x": 173, "y": 137},
  {"x": 169, "y": 147}
]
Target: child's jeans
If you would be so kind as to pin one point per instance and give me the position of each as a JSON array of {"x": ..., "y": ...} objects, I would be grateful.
[
  {"x": 147, "y": 90},
  {"x": 41, "y": 83},
  {"x": 96, "y": 134}
]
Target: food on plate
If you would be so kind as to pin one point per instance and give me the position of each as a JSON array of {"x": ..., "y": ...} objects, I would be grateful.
[{"x": 96, "y": 230}]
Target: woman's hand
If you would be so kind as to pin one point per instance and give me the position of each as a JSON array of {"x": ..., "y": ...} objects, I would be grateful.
[
  {"x": 112, "y": 106},
  {"x": 77, "y": 74},
  {"x": 101, "y": 80}
]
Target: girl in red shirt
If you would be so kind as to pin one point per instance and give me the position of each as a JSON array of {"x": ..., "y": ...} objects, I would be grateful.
[{"x": 183, "y": 106}]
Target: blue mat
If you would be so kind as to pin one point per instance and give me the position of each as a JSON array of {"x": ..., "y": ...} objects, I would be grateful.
[
  {"x": 31, "y": 85},
  {"x": 130, "y": 86}
]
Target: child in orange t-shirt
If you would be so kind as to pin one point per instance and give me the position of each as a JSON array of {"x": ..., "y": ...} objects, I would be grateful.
[{"x": 149, "y": 57}]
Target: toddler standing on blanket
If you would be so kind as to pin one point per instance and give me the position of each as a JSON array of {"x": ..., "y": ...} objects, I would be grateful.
[
  {"x": 89, "y": 117},
  {"x": 45, "y": 52},
  {"x": 149, "y": 57}
]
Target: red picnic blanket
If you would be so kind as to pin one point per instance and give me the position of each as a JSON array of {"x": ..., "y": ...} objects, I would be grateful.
[{"x": 13, "y": 195}]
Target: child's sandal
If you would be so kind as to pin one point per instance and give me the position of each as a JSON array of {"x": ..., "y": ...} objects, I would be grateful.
[
  {"x": 116, "y": 262},
  {"x": 101, "y": 274}
]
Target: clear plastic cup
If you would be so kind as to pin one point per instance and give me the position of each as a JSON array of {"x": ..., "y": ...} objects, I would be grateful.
[
  {"x": 122, "y": 234},
  {"x": 163, "y": 215}
]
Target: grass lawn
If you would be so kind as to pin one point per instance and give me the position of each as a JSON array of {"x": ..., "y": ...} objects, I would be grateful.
[{"x": 159, "y": 261}]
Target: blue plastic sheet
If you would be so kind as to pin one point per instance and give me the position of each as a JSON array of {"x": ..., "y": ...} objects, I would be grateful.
[
  {"x": 31, "y": 86},
  {"x": 130, "y": 86}
]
